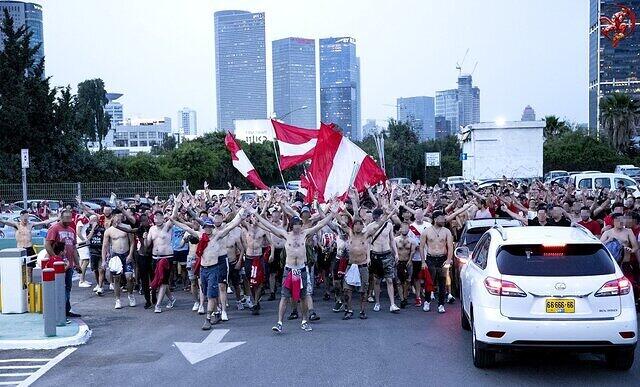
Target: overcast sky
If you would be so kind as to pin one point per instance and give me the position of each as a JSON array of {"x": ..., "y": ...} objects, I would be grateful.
[{"x": 160, "y": 53}]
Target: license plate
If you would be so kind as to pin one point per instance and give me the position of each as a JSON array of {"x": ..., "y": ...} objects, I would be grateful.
[{"x": 561, "y": 305}]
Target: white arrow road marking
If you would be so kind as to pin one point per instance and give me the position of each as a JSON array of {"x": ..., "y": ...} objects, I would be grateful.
[{"x": 210, "y": 346}]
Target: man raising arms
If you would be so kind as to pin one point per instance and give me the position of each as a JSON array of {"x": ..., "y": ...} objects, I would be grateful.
[
  {"x": 119, "y": 244},
  {"x": 436, "y": 251}
]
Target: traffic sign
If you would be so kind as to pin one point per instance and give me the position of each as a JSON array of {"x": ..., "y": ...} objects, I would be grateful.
[
  {"x": 463, "y": 156},
  {"x": 24, "y": 157},
  {"x": 432, "y": 159}
]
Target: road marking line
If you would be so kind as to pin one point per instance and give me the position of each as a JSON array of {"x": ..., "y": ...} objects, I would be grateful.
[
  {"x": 36, "y": 375},
  {"x": 25, "y": 360},
  {"x": 16, "y": 374},
  {"x": 19, "y": 367},
  {"x": 9, "y": 383}
]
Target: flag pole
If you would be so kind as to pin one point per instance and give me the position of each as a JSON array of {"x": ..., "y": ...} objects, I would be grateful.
[{"x": 275, "y": 152}]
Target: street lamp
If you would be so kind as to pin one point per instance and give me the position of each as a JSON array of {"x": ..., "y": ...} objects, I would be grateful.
[
  {"x": 293, "y": 111},
  {"x": 273, "y": 140}
]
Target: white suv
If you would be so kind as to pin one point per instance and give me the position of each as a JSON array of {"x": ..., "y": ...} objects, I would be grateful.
[{"x": 550, "y": 288}]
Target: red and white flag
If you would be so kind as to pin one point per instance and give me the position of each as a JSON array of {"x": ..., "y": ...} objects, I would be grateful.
[
  {"x": 296, "y": 144},
  {"x": 241, "y": 162},
  {"x": 338, "y": 163}
]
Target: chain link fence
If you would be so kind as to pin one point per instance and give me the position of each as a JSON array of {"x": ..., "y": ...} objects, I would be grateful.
[{"x": 68, "y": 191}]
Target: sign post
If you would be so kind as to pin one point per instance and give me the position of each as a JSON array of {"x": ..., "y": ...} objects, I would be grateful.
[
  {"x": 432, "y": 159},
  {"x": 24, "y": 158}
]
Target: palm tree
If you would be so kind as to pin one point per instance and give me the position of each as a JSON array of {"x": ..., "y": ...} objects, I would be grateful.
[
  {"x": 620, "y": 116},
  {"x": 554, "y": 127}
]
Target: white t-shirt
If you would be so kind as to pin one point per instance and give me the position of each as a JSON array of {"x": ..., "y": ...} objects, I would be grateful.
[
  {"x": 486, "y": 214},
  {"x": 415, "y": 231}
]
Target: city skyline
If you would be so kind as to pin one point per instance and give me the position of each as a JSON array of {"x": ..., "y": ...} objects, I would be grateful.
[{"x": 503, "y": 55}]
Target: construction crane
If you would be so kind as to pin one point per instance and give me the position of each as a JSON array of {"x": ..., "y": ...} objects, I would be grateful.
[{"x": 459, "y": 65}]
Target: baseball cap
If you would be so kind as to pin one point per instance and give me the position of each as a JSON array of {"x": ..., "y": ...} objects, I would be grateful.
[
  {"x": 207, "y": 221},
  {"x": 296, "y": 220},
  {"x": 437, "y": 213},
  {"x": 305, "y": 209}
]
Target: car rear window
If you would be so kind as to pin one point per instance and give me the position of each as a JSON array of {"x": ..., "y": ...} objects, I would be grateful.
[{"x": 555, "y": 261}]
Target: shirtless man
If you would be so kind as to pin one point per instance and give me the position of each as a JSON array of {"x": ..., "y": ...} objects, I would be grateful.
[
  {"x": 254, "y": 240},
  {"x": 235, "y": 249},
  {"x": 159, "y": 236},
  {"x": 384, "y": 257},
  {"x": 626, "y": 237},
  {"x": 119, "y": 244},
  {"x": 406, "y": 247},
  {"x": 23, "y": 232},
  {"x": 276, "y": 259},
  {"x": 295, "y": 263},
  {"x": 213, "y": 259},
  {"x": 436, "y": 252}
]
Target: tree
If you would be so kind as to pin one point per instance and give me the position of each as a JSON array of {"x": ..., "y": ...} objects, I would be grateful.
[
  {"x": 619, "y": 115},
  {"x": 91, "y": 100},
  {"x": 554, "y": 127},
  {"x": 578, "y": 152}
]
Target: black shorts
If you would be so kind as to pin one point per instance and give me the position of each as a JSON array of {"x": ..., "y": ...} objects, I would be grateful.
[
  {"x": 233, "y": 277},
  {"x": 325, "y": 257},
  {"x": 277, "y": 265},
  {"x": 403, "y": 271},
  {"x": 180, "y": 256},
  {"x": 416, "y": 268},
  {"x": 30, "y": 253},
  {"x": 96, "y": 261},
  {"x": 382, "y": 265},
  {"x": 223, "y": 270}
]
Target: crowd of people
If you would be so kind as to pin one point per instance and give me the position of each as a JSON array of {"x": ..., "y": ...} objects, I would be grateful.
[{"x": 251, "y": 247}]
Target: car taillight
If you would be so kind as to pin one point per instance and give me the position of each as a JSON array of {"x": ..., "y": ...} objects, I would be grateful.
[
  {"x": 617, "y": 287},
  {"x": 503, "y": 288}
]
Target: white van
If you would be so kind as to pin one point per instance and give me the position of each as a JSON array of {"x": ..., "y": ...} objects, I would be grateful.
[
  {"x": 629, "y": 170},
  {"x": 604, "y": 180}
]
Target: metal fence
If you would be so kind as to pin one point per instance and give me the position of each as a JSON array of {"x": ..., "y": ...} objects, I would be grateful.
[{"x": 68, "y": 191}]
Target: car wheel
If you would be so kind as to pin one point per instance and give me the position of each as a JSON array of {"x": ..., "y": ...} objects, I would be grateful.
[
  {"x": 464, "y": 321},
  {"x": 482, "y": 358},
  {"x": 1, "y": 234},
  {"x": 621, "y": 359}
]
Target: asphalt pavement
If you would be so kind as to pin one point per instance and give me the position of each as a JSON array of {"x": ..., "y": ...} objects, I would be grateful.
[{"x": 135, "y": 347}]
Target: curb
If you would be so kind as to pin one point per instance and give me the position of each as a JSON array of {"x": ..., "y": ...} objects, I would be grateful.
[{"x": 83, "y": 335}]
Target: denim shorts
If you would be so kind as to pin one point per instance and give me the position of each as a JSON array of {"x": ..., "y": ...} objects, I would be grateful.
[{"x": 209, "y": 280}]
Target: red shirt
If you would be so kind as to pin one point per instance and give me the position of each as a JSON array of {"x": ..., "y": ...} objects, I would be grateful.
[
  {"x": 592, "y": 226},
  {"x": 67, "y": 235}
]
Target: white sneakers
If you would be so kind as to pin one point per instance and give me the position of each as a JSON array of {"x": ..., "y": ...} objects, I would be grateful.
[
  {"x": 394, "y": 309},
  {"x": 84, "y": 284},
  {"x": 171, "y": 302},
  {"x": 111, "y": 286},
  {"x": 229, "y": 291},
  {"x": 118, "y": 305},
  {"x": 196, "y": 306},
  {"x": 441, "y": 309},
  {"x": 376, "y": 307},
  {"x": 248, "y": 303},
  {"x": 426, "y": 307},
  {"x": 201, "y": 309},
  {"x": 157, "y": 309},
  {"x": 95, "y": 289},
  {"x": 224, "y": 316},
  {"x": 132, "y": 300}
]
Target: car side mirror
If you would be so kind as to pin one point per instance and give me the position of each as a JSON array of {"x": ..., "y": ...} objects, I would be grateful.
[{"x": 462, "y": 253}]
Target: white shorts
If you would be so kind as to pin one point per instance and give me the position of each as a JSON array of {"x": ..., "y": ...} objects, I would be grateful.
[{"x": 83, "y": 253}]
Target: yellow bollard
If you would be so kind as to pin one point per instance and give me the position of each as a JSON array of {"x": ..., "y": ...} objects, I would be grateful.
[{"x": 38, "y": 298}]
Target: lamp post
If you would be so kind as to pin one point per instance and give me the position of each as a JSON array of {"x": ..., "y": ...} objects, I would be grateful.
[{"x": 275, "y": 151}]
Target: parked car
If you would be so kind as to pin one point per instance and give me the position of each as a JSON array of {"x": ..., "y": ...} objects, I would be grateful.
[
  {"x": 629, "y": 170},
  {"x": 605, "y": 180},
  {"x": 551, "y": 174},
  {"x": 293, "y": 185},
  {"x": 54, "y": 205},
  {"x": 8, "y": 232},
  {"x": 562, "y": 180},
  {"x": 401, "y": 181},
  {"x": 546, "y": 289},
  {"x": 469, "y": 237}
]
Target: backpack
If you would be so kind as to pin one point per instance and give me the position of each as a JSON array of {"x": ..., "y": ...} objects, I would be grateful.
[{"x": 615, "y": 249}]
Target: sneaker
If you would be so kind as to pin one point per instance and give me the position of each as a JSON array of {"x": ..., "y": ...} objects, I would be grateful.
[
  {"x": 426, "y": 307},
  {"x": 338, "y": 307},
  {"x": 305, "y": 326},
  {"x": 277, "y": 328},
  {"x": 432, "y": 296},
  {"x": 196, "y": 306},
  {"x": 147, "y": 305},
  {"x": 207, "y": 325},
  {"x": 132, "y": 300},
  {"x": 371, "y": 299},
  {"x": 313, "y": 316},
  {"x": 171, "y": 303},
  {"x": 347, "y": 315},
  {"x": 72, "y": 315},
  {"x": 248, "y": 303},
  {"x": 376, "y": 308},
  {"x": 363, "y": 315},
  {"x": 450, "y": 299},
  {"x": 95, "y": 289},
  {"x": 440, "y": 308},
  {"x": 394, "y": 309},
  {"x": 118, "y": 305},
  {"x": 239, "y": 305},
  {"x": 100, "y": 292},
  {"x": 84, "y": 284},
  {"x": 201, "y": 309},
  {"x": 223, "y": 316},
  {"x": 293, "y": 315},
  {"x": 229, "y": 291},
  {"x": 216, "y": 319},
  {"x": 110, "y": 286},
  {"x": 418, "y": 302},
  {"x": 157, "y": 309}
]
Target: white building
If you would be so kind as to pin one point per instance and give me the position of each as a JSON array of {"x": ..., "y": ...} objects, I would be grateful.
[
  {"x": 114, "y": 109},
  {"x": 513, "y": 149},
  {"x": 135, "y": 136},
  {"x": 187, "y": 122}
]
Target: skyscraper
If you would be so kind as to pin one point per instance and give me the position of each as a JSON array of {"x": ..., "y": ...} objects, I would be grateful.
[
  {"x": 419, "y": 113},
  {"x": 187, "y": 121},
  {"x": 528, "y": 114},
  {"x": 443, "y": 127},
  {"x": 611, "y": 69},
  {"x": 26, "y": 14},
  {"x": 340, "y": 85},
  {"x": 294, "y": 81},
  {"x": 370, "y": 128},
  {"x": 114, "y": 109},
  {"x": 447, "y": 107},
  {"x": 241, "y": 73},
  {"x": 469, "y": 101}
]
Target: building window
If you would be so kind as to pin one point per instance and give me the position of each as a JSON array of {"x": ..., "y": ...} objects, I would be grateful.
[
  {"x": 121, "y": 136},
  {"x": 133, "y": 135},
  {"x": 152, "y": 135},
  {"x": 143, "y": 143},
  {"x": 120, "y": 143},
  {"x": 133, "y": 143}
]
